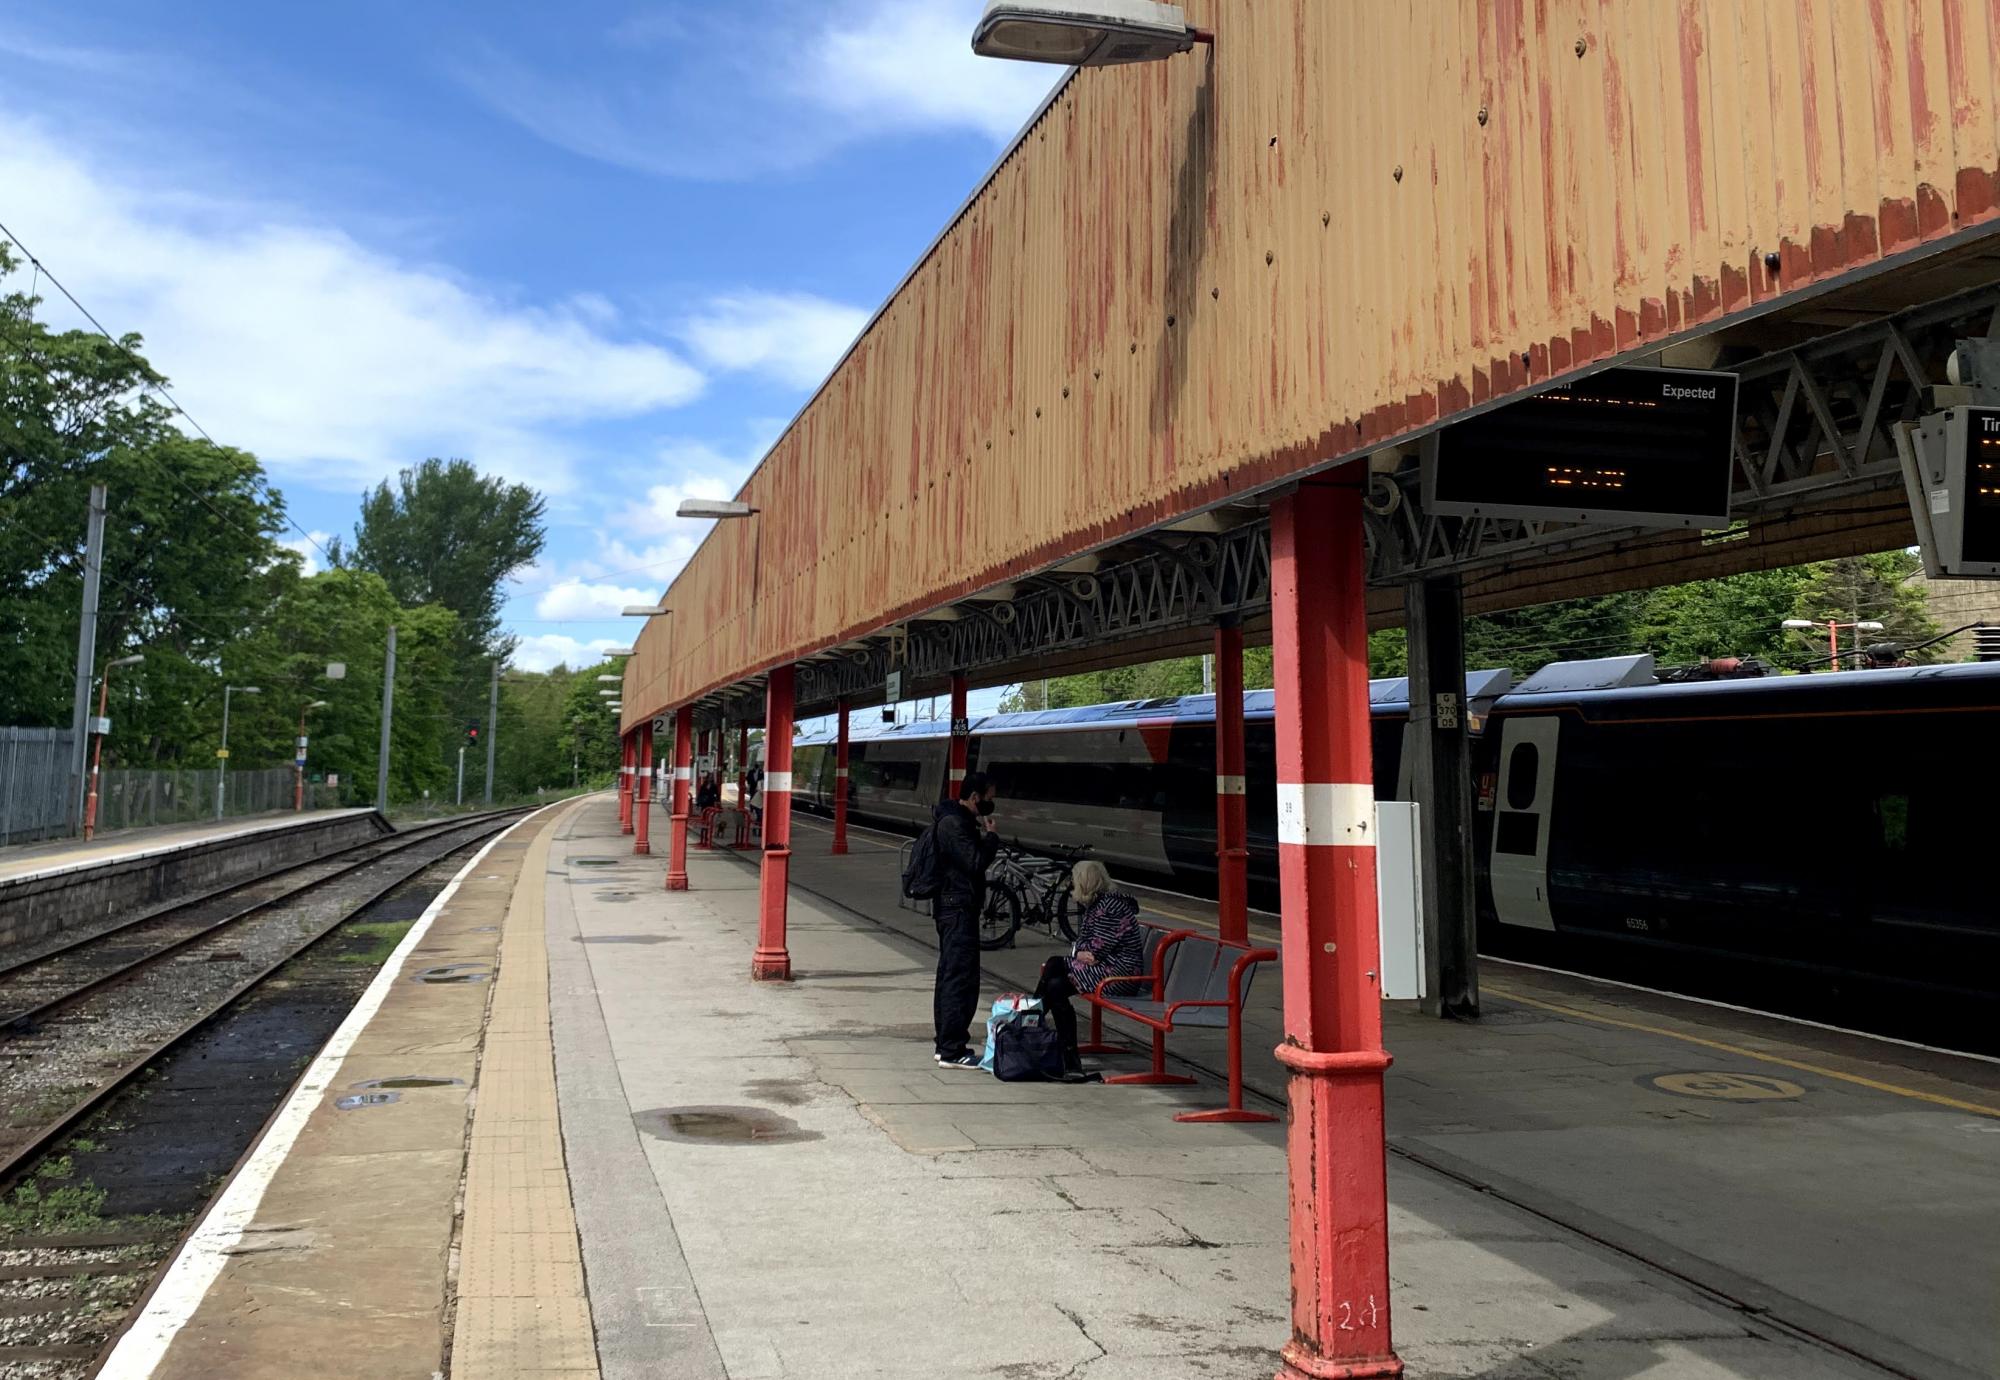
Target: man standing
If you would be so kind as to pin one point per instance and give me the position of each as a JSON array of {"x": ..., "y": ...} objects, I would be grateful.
[{"x": 965, "y": 845}]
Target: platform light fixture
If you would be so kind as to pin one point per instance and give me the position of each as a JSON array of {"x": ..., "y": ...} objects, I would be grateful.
[
  {"x": 1084, "y": 33},
  {"x": 618, "y": 651},
  {"x": 645, "y": 610},
  {"x": 615, "y": 680},
  {"x": 719, "y": 509},
  {"x": 607, "y": 694}
]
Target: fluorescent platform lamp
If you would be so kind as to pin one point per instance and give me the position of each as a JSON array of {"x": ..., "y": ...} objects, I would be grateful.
[
  {"x": 132, "y": 660},
  {"x": 1083, "y": 33},
  {"x": 645, "y": 610},
  {"x": 1866, "y": 626},
  {"x": 607, "y": 694},
  {"x": 615, "y": 680},
  {"x": 618, "y": 651},
  {"x": 719, "y": 509},
  {"x": 1799, "y": 624}
]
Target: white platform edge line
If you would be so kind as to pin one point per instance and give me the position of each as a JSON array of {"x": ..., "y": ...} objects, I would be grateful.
[
  {"x": 291, "y": 820},
  {"x": 195, "y": 1270}
]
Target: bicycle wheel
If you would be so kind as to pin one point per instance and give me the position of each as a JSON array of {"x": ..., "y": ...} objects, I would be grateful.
[
  {"x": 999, "y": 918},
  {"x": 1063, "y": 906}
]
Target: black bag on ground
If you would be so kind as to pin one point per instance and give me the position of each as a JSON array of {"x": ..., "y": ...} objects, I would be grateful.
[
  {"x": 920, "y": 874},
  {"x": 1027, "y": 1048}
]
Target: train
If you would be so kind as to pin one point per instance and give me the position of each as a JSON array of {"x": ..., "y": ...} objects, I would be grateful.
[{"x": 1802, "y": 842}]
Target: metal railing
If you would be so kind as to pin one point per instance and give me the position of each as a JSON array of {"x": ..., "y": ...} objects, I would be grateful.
[
  {"x": 134, "y": 798},
  {"x": 36, "y": 784}
]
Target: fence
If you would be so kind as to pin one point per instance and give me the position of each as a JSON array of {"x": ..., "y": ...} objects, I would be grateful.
[
  {"x": 130, "y": 798},
  {"x": 36, "y": 784}
]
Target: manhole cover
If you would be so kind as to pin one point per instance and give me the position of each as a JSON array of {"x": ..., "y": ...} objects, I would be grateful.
[
  {"x": 722, "y": 1126},
  {"x": 414, "y": 1080},
  {"x": 372, "y": 1099},
  {"x": 1726, "y": 1087},
  {"x": 447, "y": 973}
]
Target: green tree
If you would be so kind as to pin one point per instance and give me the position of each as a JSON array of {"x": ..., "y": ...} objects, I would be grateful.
[
  {"x": 589, "y": 730},
  {"x": 1871, "y": 588},
  {"x": 1736, "y": 615},
  {"x": 448, "y": 535},
  {"x": 192, "y": 560}
]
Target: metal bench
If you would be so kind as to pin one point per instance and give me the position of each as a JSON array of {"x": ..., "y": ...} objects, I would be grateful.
[{"x": 1197, "y": 980}]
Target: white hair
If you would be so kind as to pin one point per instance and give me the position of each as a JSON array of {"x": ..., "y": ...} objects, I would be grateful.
[{"x": 1089, "y": 881}]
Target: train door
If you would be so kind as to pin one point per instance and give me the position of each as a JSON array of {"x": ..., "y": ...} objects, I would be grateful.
[{"x": 1519, "y": 869}]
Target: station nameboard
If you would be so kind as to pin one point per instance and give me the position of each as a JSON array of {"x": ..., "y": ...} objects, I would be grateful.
[{"x": 1652, "y": 447}]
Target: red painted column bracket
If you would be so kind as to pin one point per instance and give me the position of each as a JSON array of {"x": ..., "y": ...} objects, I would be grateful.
[
  {"x": 1232, "y": 850},
  {"x": 743, "y": 784},
  {"x": 959, "y": 741},
  {"x": 1332, "y": 995},
  {"x": 840, "y": 784},
  {"x": 773, "y": 961},
  {"x": 626, "y": 748},
  {"x": 642, "y": 795},
  {"x": 677, "y": 828}
]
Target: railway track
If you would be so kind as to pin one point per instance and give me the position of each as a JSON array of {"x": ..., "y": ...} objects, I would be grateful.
[{"x": 82, "y": 1020}]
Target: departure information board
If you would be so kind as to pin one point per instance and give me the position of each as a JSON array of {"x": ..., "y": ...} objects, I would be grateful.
[
  {"x": 1979, "y": 543},
  {"x": 1653, "y": 447}
]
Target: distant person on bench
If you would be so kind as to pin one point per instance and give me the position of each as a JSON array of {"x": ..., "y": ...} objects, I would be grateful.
[{"x": 1109, "y": 943}]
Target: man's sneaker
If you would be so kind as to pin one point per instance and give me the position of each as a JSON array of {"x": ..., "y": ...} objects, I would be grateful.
[{"x": 968, "y": 1060}]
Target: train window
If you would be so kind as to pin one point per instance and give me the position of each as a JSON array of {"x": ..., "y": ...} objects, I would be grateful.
[
  {"x": 1524, "y": 765},
  {"x": 1520, "y": 834},
  {"x": 888, "y": 776}
]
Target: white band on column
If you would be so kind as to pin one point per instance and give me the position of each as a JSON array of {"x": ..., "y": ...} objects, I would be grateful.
[
  {"x": 958, "y": 773},
  {"x": 683, "y": 773},
  {"x": 1229, "y": 785},
  {"x": 1323, "y": 814},
  {"x": 775, "y": 781},
  {"x": 840, "y": 772}
]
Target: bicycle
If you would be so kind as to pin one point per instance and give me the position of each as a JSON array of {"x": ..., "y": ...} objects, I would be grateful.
[{"x": 1028, "y": 888}]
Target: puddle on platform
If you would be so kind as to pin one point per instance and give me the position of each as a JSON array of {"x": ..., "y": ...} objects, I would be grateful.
[
  {"x": 721, "y": 1126},
  {"x": 596, "y": 862},
  {"x": 786, "y": 1092},
  {"x": 449, "y": 973},
  {"x": 413, "y": 1080},
  {"x": 373, "y": 1099}
]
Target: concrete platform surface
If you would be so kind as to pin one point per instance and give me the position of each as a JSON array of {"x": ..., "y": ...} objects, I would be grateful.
[
  {"x": 772, "y": 1180},
  {"x": 23, "y": 860}
]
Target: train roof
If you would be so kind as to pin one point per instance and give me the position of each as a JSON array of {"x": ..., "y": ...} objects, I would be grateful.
[{"x": 1612, "y": 685}]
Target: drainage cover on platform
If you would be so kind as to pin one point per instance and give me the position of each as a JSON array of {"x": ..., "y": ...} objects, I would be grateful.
[
  {"x": 413, "y": 1080},
  {"x": 446, "y": 973},
  {"x": 373, "y": 1099},
  {"x": 722, "y": 1125},
  {"x": 595, "y": 862}
]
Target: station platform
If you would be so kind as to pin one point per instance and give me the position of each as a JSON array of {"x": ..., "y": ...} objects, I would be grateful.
[
  {"x": 566, "y": 1135},
  {"x": 21, "y": 861}
]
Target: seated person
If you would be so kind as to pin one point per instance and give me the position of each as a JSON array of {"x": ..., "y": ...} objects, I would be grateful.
[{"x": 1109, "y": 943}]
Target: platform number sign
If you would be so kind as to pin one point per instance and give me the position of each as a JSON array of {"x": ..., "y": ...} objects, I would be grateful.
[{"x": 1636, "y": 447}]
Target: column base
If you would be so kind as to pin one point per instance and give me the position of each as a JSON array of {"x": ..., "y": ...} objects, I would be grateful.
[
  {"x": 1299, "y": 1364},
  {"x": 641, "y": 847},
  {"x": 771, "y": 965},
  {"x": 626, "y": 827},
  {"x": 677, "y": 882},
  {"x": 838, "y": 849},
  {"x": 1222, "y": 1114}
]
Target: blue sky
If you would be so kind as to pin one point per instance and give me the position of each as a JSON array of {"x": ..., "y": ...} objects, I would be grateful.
[{"x": 606, "y": 249}]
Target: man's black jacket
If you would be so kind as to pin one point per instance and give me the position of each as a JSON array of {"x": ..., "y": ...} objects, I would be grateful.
[{"x": 964, "y": 851}]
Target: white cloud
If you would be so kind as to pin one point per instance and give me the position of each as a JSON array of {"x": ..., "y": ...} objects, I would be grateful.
[
  {"x": 795, "y": 338},
  {"x": 546, "y": 651},
  {"x": 579, "y": 600},
  {"x": 729, "y": 92},
  {"x": 325, "y": 357},
  {"x": 310, "y": 549},
  {"x": 908, "y": 64}
]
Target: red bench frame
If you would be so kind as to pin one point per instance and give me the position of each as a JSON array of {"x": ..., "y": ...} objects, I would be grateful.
[{"x": 1163, "y": 1024}]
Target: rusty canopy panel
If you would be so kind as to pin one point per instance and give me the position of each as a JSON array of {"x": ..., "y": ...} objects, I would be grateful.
[{"x": 1341, "y": 223}]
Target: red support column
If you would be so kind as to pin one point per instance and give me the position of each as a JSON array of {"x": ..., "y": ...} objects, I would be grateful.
[
  {"x": 840, "y": 784},
  {"x": 959, "y": 741},
  {"x": 772, "y": 961},
  {"x": 677, "y": 828},
  {"x": 642, "y": 795},
  {"x": 1232, "y": 851},
  {"x": 629, "y": 746},
  {"x": 1333, "y": 999}
]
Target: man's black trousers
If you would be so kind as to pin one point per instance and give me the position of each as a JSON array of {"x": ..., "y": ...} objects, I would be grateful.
[{"x": 956, "y": 994}]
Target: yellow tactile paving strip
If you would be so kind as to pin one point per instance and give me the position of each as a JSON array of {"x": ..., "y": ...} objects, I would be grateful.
[{"x": 522, "y": 1311}]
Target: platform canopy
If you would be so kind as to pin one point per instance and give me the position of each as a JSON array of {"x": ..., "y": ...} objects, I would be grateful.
[{"x": 1338, "y": 227}]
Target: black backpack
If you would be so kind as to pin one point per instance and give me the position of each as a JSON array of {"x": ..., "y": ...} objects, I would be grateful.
[
  {"x": 920, "y": 874},
  {"x": 1027, "y": 1048}
]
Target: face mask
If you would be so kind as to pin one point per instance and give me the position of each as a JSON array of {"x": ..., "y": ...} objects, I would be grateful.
[{"x": 985, "y": 807}]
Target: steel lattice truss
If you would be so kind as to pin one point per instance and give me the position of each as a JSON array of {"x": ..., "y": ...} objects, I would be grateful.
[{"x": 1814, "y": 423}]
